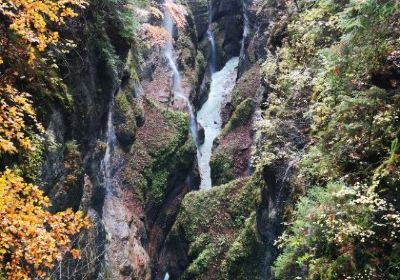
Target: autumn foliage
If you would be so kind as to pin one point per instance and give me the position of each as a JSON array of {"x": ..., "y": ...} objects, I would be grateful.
[
  {"x": 31, "y": 238},
  {"x": 178, "y": 13},
  {"x": 30, "y": 19},
  {"x": 24, "y": 32}
]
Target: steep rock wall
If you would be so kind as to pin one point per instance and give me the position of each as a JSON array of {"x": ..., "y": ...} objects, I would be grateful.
[
  {"x": 149, "y": 176},
  {"x": 208, "y": 241}
]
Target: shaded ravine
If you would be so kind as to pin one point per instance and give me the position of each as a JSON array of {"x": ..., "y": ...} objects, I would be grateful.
[
  {"x": 125, "y": 255},
  {"x": 208, "y": 116}
]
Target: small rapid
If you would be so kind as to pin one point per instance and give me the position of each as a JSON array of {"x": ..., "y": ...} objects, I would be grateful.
[{"x": 209, "y": 116}]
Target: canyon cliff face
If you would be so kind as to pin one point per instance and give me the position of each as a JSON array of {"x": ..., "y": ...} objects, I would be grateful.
[
  {"x": 152, "y": 160},
  {"x": 229, "y": 231},
  {"x": 124, "y": 147}
]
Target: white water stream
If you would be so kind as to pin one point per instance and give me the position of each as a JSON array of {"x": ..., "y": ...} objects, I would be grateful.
[
  {"x": 222, "y": 84},
  {"x": 209, "y": 116}
]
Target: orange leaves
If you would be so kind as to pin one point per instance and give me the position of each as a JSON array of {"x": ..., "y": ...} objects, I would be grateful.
[
  {"x": 30, "y": 18},
  {"x": 31, "y": 238},
  {"x": 76, "y": 254},
  {"x": 15, "y": 109}
]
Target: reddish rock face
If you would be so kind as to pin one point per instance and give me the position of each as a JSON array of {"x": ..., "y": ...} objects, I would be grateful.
[{"x": 125, "y": 256}]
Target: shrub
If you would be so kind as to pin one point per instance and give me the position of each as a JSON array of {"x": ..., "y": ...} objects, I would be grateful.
[{"x": 341, "y": 231}]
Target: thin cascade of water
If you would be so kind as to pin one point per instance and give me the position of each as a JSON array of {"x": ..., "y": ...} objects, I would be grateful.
[
  {"x": 169, "y": 54},
  {"x": 211, "y": 40},
  {"x": 246, "y": 31},
  {"x": 213, "y": 50},
  {"x": 110, "y": 142}
]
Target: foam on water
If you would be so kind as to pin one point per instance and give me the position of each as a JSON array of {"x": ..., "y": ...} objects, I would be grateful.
[{"x": 209, "y": 116}]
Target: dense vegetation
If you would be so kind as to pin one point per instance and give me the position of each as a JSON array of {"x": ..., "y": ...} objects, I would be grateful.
[
  {"x": 36, "y": 38},
  {"x": 32, "y": 238},
  {"x": 328, "y": 135},
  {"x": 334, "y": 81}
]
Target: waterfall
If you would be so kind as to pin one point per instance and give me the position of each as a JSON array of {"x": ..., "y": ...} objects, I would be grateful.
[
  {"x": 213, "y": 50},
  {"x": 211, "y": 40},
  {"x": 246, "y": 31},
  {"x": 169, "y": 54},
  {"x": 106, "y": 170},
  {"x": 110, "y": 141},
  {"x": 209, "y": 116}
]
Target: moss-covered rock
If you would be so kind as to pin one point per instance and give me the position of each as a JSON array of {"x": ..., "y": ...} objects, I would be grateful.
[
  {"x": 231, "y": 152},
  {"x": 216, "y": 224},
  {"x": 162, "y": 148},
  {"x": 124, "y": 119},
  {"x": 246, "y": 86},
  {"x": 222, "y": 168},
  {"x": 243, "y": 259},
  {"x": 242, "y": 115}
]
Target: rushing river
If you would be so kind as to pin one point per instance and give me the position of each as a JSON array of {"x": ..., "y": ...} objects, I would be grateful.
[{"x": 209, "y": 116}]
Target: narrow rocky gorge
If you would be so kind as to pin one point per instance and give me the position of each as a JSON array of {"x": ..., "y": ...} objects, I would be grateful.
[
  {"x": 137, "y": 224},
  {"x": 158, "y": 146},
  {"x": 204, "y": 139}
]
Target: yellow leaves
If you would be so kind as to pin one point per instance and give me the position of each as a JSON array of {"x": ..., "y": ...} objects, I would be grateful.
[
  {"x": 15, "y": 109},
  {"x": 30, "y": 18},
  {"x": 31, "y": 238},
  {"x": 76, "y": 254}
]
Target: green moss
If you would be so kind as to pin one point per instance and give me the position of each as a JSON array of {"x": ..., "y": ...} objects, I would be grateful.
[
  {"x": 122, "y": 105},
  {"x": 159, "y": 180},
  {"x": 202, "y": 261},
  {"x": 221, "y": 168},
  {"x": 246, "y": 86},
  {"x": 125, "y": 119},
  {"x": 241, "y": 116},
  {"x": 214, "y": 221},
  {"x": 32, "y": 161},
  {"x": 131, "y": 69},
  {"x": 242, "y": 259},
  {"x": 152, "y": 162}
]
